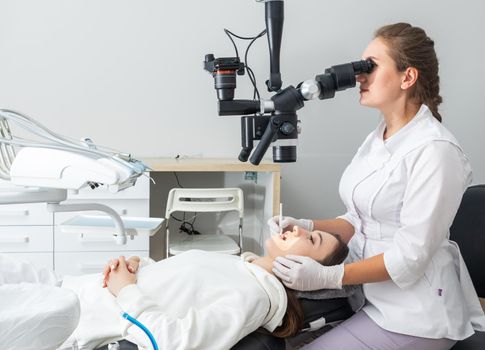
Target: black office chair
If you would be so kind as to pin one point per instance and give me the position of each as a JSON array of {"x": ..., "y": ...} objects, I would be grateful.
[{"x": 468, "y": 230}]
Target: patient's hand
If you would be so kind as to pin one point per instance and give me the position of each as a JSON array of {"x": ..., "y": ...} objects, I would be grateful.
[
  {"x": 132, "y": 264},
  {"x": 121, "y": 277}
]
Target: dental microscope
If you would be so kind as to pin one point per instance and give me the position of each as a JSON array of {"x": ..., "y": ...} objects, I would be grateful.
[{"x": 274, "y": 120}]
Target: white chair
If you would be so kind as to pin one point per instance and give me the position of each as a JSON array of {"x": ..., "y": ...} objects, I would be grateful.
[{"x": 205, "y": 200}]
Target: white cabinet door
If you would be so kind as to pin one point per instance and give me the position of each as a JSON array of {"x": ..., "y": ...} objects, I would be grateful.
[
  {"x": 25, "y": 214},
  {"x": 79, "y": 263},
  {"x": 26, "y": 239},
  {"x": 39, "y": 260},
  {"x": 96, "y": 242}
]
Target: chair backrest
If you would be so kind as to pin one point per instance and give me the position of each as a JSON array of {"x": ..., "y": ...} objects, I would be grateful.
[
  {"x": 205, "y": 200},
  {"x": 468, "y": 230}
]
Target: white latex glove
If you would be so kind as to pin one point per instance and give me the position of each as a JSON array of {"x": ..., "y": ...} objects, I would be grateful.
[
  {"x": 275, "y": 225},
  {"x": 305, "y": 274}
]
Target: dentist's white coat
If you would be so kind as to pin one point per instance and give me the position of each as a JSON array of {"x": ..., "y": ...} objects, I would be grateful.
[{"x": 401, "y": 196}]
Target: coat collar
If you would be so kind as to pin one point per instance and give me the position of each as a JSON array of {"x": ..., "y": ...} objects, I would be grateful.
[
  {"x": 401, "y": 137},
  {"x": 376, "y": 153}
]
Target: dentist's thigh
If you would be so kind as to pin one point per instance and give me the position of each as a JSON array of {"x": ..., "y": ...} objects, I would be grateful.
[{"x": 361, "y": 333}]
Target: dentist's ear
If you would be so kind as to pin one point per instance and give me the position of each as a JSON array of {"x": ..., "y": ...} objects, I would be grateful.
[{"x": 409, "y": 78}]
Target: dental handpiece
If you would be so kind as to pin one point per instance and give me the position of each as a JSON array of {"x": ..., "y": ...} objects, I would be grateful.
[{"x": 281, "y": 218}]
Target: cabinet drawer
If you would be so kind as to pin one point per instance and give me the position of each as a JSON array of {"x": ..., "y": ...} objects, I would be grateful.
[
  {"x": 25, "y": 214},
  {"x": 97, "y": 242},
  {"x": 26, "y": 238},
  {"x": 39, "y": 260},
  {"x": 141, "y": 190},
  {"x": 127, "y": 207},
  {"x": 78, "y": 263}
]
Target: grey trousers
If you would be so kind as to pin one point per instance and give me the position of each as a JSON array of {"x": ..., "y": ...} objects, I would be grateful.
[{"x": 361, "y": 333}]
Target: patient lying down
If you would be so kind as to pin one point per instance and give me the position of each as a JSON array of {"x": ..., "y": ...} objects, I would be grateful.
[{"x": 197, "y": 300}]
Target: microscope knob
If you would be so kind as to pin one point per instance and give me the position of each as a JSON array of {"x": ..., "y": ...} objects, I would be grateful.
[{"x": 287, "y": 128}]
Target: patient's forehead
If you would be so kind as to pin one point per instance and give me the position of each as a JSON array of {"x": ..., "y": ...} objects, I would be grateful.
[
  {"x": 327, "y": 238},
  {"x": 330, "y": 243}
]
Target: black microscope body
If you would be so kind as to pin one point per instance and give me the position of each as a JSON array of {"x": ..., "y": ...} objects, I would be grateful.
[{"x": 275, "y": 120}]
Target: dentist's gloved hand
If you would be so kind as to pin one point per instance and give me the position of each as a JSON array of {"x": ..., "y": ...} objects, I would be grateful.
[
  {"x": 305, "y": 274},
  {"x": 288, "y": 222}
]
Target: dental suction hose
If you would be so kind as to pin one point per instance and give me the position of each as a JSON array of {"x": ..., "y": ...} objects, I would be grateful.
[{"x": 142, "y": 327}]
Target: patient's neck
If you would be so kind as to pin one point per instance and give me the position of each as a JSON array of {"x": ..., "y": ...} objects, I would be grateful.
[{"x": 265, "y": 262}]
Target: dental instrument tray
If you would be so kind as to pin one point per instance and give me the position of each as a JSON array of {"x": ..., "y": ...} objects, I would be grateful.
[{"x": 104, "y": 224}]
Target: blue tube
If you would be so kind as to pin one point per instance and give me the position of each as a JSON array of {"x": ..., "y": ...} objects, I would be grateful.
[{"x": 142, "y": 327}]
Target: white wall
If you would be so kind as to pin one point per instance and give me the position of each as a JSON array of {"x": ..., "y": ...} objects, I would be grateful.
[{"x": 129, "y": 75}]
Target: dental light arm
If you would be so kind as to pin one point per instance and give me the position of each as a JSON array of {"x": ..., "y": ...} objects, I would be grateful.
[
  {"x": 274, "y": 17},
  {"x": 275, "y": 119},
  {"x": 48, "y": 167}
]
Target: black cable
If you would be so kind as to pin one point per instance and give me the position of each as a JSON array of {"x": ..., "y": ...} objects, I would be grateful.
[
  {"x": 185, "y": 223},
  {"x": 253, "y": 81},
  {"x": 228, "y": 33},
  {"x": 251, "y": 75},
  {"x": 253, "y": 78},
  {"x": 177, "y": 178},
  {"x": 244, "y": 37}
]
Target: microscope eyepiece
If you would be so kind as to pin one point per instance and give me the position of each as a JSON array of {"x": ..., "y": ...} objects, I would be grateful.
[
  {"x": 341, "y": 77},
  {"x": 364, "y": 66}
]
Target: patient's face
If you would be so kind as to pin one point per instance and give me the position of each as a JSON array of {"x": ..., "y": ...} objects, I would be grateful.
[{"x": 316, "y": 244}]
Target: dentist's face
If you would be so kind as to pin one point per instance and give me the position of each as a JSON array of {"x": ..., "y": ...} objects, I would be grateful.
[
  {"x": 382, "y": 87},
  {"x": 316, "y": 244}
]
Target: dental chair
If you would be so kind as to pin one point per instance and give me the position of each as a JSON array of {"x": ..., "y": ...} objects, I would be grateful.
[
  {"x": 317, "y": 315},
  {"x": 468, "y": 231}
]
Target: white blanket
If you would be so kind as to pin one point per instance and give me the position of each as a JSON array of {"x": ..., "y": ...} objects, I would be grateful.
[
  {"x": 35, "y": 316},
  {"x": 196, "y": 300}
]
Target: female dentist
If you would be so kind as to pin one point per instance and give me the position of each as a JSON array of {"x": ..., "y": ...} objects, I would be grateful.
[{"x": 402, "y": 190}]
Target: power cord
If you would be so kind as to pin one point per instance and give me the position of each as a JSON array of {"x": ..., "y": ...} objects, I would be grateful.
[
  {"x": 251, "y": 75},
  {"x": 186, "y": 226}
]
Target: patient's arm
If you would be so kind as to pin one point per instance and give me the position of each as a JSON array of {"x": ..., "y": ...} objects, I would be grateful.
[{"x": 132, "y": 263}]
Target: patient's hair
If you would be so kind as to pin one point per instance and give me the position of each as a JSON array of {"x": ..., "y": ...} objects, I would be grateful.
[
  {"x": 339, "y": 254},
  {"x": 293, "y": 319}
]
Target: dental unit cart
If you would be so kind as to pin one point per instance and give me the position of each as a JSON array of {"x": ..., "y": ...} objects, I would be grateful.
[{"x": 46, "y": 178}]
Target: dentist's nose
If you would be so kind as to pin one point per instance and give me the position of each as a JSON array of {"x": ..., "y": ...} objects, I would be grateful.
[{"x": 360, "y": 78}]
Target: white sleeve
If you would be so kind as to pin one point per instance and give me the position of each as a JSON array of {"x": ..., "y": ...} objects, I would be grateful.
[
  {"x": 216, "y": 326},
  {"x": 16, "y": 271},
  {"x": 436, "y": 182},
  {"x": 145, "y": 261},
  {"x": 353, "y": 219}
]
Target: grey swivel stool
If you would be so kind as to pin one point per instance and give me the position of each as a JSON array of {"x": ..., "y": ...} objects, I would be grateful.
[{"x": 468, "y": 231}]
